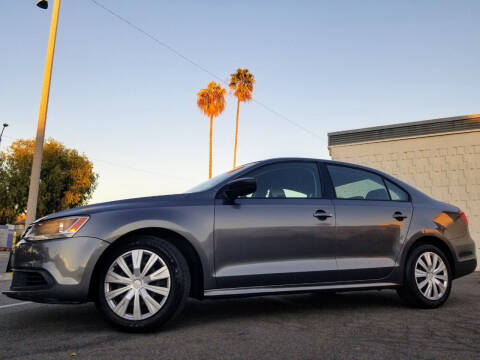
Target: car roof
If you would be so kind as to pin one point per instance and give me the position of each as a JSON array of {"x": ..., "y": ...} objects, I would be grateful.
[{"x": 271, "y": 160}]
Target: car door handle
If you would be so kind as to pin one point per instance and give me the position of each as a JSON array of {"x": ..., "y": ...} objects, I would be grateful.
[
  {"x": 399, "y": 216},
  {"x": 322, "y": 215}
]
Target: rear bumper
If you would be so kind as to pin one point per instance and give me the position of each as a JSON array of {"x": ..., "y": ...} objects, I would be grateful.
[
  {"x": 465, "y": 255},
  {"x": 463, "y": 268},
  {"x": 55, "y": 271}
]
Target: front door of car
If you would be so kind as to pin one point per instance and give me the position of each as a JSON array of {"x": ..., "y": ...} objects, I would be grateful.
[
  {"x": 373, "y": 216},
  {"x": 283, "y": 233}
]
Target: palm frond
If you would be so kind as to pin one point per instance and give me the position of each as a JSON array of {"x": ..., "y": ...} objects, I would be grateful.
[
  {"x": 242, "y": 83},
  {"x": 211, "y": 100}
]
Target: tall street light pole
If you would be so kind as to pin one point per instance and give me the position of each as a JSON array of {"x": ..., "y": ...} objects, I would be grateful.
[
  {"x": 3, "y": 129},
  {"x": 42, "y": 116}
]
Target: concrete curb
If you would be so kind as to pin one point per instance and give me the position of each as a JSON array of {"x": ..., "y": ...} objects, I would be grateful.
[{"x": 5, "y": 276}]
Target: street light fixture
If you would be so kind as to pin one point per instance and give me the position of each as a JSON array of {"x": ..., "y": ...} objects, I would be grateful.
[
  {"x": 3, "y": 129},
  {"x": 42, "y": 4},
  {"x": 42, "y": 116}
]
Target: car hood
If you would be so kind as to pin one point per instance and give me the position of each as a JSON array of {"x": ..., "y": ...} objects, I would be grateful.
[{"x": 143, "y": 202}]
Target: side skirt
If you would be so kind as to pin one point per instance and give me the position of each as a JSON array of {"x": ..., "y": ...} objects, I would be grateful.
[{"x": 261, "y": 290}]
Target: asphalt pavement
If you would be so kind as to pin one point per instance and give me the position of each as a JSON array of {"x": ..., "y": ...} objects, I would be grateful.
[{"x": 356, "y": 325}]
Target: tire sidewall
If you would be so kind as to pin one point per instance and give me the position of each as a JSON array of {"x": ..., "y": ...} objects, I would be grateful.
[
  {"x": 179, "y": 282},
  {"x": 411, "y": 281}
]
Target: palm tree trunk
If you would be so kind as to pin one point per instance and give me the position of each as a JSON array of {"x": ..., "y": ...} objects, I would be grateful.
[
  {"x": 210, "y": 155},
  {"x": 236, "y": 136}
]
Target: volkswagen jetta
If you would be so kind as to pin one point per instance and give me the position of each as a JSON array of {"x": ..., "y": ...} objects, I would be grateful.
[{"x": 269, "y": 227}]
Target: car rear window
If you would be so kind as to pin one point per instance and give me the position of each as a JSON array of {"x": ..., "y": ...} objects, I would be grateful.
[{"x": 355, "y": 184}]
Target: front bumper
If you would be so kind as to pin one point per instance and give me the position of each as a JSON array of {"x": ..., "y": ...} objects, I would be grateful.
[{"x": 55, "y": 271}]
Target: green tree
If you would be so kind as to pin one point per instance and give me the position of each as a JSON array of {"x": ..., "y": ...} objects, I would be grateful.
[
  {"x": 241, "y": 83},
  {"x": 67, "y": 179},
  {"x": 211, "y": 101}
]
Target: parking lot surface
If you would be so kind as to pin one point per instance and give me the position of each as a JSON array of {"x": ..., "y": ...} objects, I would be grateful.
[{"x": 355, "y": 325}]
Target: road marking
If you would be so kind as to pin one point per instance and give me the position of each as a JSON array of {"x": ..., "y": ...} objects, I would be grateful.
[{"x": 16, "y": 304}]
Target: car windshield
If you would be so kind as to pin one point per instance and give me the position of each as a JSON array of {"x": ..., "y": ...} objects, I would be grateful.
[{"x": 210, "y": 183}]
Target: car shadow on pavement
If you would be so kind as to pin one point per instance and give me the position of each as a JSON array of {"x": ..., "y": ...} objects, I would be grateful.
[
  {"x": 299, "y": 305},
  {"x": 78, "y": 318}
]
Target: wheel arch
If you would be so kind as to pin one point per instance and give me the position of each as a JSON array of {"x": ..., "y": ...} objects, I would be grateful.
[
  {"x": 181, "y": 243},
  {"x": 435, "y": 241}
]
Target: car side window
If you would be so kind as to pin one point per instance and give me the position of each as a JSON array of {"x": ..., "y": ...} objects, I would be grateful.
[
  {"x": 356, "y": 184},
  {"x": 396, "y": 193},
  {"x": 287, "y": 180}
]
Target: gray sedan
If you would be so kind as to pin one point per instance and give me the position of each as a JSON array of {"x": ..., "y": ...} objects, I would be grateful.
[{"x": 269, "y": 227}]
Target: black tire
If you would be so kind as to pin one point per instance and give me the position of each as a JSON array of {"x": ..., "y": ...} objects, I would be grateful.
[
  {"x": 410, "y": 293},
  {"x": 179, "y": 290}
]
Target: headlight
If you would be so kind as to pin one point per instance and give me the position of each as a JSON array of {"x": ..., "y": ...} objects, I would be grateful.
[{"x": 55, "y": 228}]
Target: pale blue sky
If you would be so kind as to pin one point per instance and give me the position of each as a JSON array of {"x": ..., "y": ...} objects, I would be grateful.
[{"x": 327, "y": 65}]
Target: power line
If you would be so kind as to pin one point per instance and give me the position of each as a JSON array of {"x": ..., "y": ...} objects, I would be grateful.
[
  {"x": 198, "y": 66},
  {"x": 128, "y": 167},
  {"x": 280, "y": 115},
  {"x": 161, "y": 43},
  {"x": 142, "y": 170}
]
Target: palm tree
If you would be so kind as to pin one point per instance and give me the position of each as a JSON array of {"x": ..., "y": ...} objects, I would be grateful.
[
  {"x": 211, "y": 102},
  {"x": 241, "y": 83}
]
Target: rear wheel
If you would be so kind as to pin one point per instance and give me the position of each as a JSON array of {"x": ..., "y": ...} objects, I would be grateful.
[
  {"x": 428, "y": 278},
  {"x": 143, "y": 283}
]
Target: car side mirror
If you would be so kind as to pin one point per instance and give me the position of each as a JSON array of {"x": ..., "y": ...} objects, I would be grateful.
[{"x": 239, "y": 187}]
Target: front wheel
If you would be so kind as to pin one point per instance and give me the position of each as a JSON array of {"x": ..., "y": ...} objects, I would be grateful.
[
  {"x": 428, "y": 278},
  {"x": 143, "y": 283}
]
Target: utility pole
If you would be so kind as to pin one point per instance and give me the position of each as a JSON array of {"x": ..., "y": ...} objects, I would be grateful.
[
  {"x": 42, "y": 116},
  {"x": 3, "y": 129}
]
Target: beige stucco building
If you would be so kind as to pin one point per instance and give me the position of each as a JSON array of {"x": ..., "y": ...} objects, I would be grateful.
[{"x": 440, "y": 157}]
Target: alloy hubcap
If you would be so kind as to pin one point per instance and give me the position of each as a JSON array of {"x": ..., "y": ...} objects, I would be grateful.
[
  {"x": 137, "y": 284},
  {"x": 431, "y": 276}
]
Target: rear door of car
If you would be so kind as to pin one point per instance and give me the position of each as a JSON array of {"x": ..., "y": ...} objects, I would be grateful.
[
  {"x": 372, "y": 219},
  {"x": 282, "y": 234}
]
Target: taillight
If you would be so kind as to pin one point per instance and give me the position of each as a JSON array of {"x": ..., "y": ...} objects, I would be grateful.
[{"x": 464, "y": 217}]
